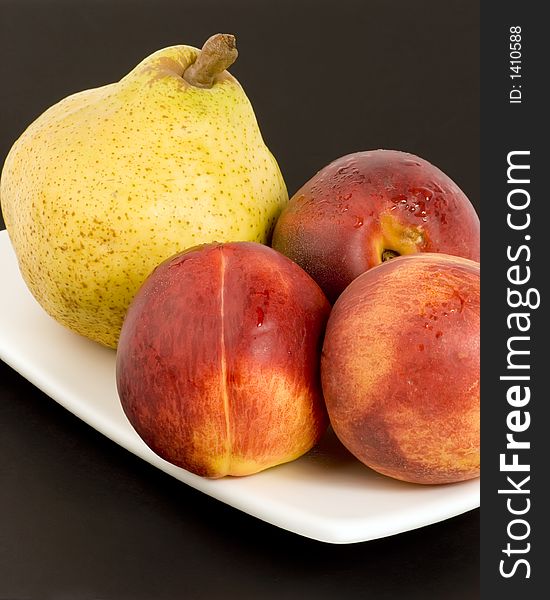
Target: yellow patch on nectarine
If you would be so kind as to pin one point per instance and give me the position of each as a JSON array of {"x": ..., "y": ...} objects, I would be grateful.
[{"x": 398, "y": 236}]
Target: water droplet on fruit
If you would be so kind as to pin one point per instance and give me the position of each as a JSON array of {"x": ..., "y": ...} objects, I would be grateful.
[
  {"x": 438, "y": 334},
  {"x": 399, "y": 199},
  {"x": 411, "y": 163},
  {"x": 421, "y": 347},
  {"x": 423, "y": 192},
  {"x": 358, "y": 222},
  {"x": 259, "y": 317}
]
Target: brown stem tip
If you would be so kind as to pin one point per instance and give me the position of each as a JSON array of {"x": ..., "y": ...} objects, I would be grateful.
[
  {"x": 218, "y": 53},
  {"x": 389, "y": 254}
]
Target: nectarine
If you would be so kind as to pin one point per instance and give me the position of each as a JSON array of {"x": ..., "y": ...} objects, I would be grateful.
[
  {"x": 365, "y": 208},
  {"x": 400, "y": 368},
  {"x": 218, "y": 360}
]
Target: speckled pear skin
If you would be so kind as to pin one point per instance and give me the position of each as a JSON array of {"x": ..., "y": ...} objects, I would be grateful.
[{"x": 109, "y": 182}]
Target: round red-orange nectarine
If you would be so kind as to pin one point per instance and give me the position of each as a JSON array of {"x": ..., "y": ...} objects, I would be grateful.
[{"x": 400, "y": 368}]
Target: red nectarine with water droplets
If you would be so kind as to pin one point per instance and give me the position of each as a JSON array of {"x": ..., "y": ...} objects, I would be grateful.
[{"x": 365, "y": 208}]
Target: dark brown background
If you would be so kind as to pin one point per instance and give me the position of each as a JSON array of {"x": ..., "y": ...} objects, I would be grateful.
[{"x": 82, "y": 518}]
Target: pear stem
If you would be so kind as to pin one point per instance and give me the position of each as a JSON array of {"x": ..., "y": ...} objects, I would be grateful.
[{"x": 218, "y": 53}]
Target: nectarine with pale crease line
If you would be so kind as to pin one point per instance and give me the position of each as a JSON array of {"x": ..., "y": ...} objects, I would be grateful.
[{"x": 218, "y": 360}]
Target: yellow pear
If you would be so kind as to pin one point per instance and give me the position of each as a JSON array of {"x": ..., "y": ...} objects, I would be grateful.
[{"x": 109, "y": 182}]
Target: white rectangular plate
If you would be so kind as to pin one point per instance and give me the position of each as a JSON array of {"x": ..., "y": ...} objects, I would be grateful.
[{"x": 326, "y": 495}]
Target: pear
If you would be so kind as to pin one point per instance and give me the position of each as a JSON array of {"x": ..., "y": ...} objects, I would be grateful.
[{"x": 111, "y": 181}]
